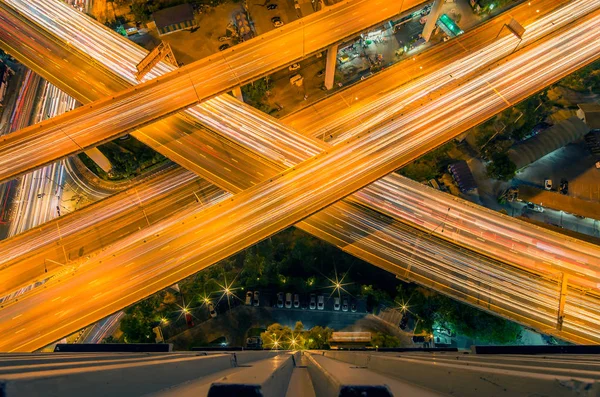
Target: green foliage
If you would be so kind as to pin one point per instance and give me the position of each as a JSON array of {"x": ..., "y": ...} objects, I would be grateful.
[
  {"x": 137, "y": 323},
  {"x": 384, "y": 340},
  {"x": 277, "y": 336},
  {"x": 128, "y": 158},
  {"x": 255, "y": 94},
  {"x": 430, "y": 165},
  {"x": 586, "y": 79},
  {"x": 501, "y": 167},
  {"x": 430, "y": 307}
]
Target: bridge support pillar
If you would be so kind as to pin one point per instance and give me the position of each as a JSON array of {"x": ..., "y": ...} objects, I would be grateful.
[
  {"x": 237, "y": 92},
  {"x": 330, "y": 66},
  {"x": 432, "y": 18}
]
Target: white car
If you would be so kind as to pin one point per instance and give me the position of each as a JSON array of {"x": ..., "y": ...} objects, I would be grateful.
[
  {"x": 336, "y": 303},
  {"x": 313, "y": 302},
  {"x": 296, "y": 301},
  {"x": 280, "y": 300},
  {"x": 293, "y": 67},
  {"x": 548, "y": 184},
  {"x": 256, "y": 298},
  {"x": 211, "y": 310},
  {"x": 345, "y": 305},
  {"x": 288, "y": 301},
  {"x": 598, "y": 165},
  {"x": 249, "y": 298},
  {"x": 277, "y": 24},
  {"x": 321, "y": 302}
]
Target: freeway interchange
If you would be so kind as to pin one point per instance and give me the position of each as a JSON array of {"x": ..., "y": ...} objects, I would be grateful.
[{"x": 369, "y": 165}]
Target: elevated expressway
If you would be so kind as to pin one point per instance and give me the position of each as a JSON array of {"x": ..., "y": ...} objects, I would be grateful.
[
  {"x": 297, "y": 150},
  {"x": 196, "y": 238},
  {"x": 193, "y": 83},
  {"x": 376, "y": 196}
]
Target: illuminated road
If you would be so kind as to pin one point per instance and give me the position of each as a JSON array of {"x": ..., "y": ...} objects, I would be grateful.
[
  {"x": 190, "y": 84},
  {"x": 440, "y": 217},
  {"x": 210, "y": 235},
  {"x": 469, "y": 232}
]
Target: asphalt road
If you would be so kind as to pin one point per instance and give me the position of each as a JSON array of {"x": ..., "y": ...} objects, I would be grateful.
[
  {"x": 293, "y": 195},
  {"x": 108, "y": 118}
]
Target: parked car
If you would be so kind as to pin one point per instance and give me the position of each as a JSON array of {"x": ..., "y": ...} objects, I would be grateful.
[
  {"x": 211, "y": 310},
  {"x": 249, "y": 298},
  {"x": 288, "y": 300},
  {"x": 336, "y": 303},
  {"x": 280, "y": 300},
  {"x": 345, "y": 305},
  {"x": 564, "y": 186},
  {"x": 548, "y": 184},
  {"x": 321, "y": 73},
  {"x": 313, "y": 302},
  {"x": 535, "y": 207},
  {"x": 256, "y": 298},
  {"x": 321, "y": 302},
  {"x": 224, "y": 38},
  {"x": 277, "y": 23},
  {"x": 296, "y": 79},
  {"x": 272, "y": 7},
  {"x": 598, "y": 165},
  {"x": 296, "y": 301},
  {"x": 353, "y": 307},
  {"x": 275, "y": 19},
  {"x": 223, "y": 47},
  {"x": 293, "y": 67}
]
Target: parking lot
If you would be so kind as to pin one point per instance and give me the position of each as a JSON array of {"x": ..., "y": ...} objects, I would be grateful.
[{"x": 574, "y": 163}]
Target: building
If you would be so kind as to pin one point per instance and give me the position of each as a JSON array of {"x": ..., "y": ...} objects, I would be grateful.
[
  {"x": 589, "y": 113},
  {"x": 340, "y": 340},
  {"x": 173, "y": 19},
  {"x": 553, "y": 138},
  {"x": 462, "y": 175}
]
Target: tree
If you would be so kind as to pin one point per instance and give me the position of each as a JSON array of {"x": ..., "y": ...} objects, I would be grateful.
[
  {"x": 110, "y": 339},
  {"x": 380, "y": 339},
  {"x": 501, "y": 167},
  {"x": 318, "y": 337}
]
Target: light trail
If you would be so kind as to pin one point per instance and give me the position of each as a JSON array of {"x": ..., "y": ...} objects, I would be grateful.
[{"x": 292, "y": 195}]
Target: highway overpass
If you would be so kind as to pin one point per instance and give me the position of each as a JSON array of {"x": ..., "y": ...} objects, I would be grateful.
[{"x": 277, "y": 195}]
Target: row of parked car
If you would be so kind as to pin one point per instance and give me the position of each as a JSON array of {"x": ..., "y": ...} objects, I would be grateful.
[{"x": 289, "y": 300}]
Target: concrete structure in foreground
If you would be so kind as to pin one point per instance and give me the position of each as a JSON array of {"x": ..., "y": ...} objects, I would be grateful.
[{"x": 544, "y": 370}]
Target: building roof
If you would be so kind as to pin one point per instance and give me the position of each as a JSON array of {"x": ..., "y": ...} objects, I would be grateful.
[
  {"x": 547, "y": 141},
  {"x": 462, "y": 175},
  {"x": 592, "y": 114},
  {"x": 173, "y": 15}
]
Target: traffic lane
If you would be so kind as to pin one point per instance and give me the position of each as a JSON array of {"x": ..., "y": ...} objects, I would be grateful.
[
  {"x": 184, "y": 245},
  {"x": 209, "y": 73},
  {"x": 27, "y": 45},
  {"x": 321, "y": 119},
  {"x": 39, "y": 253}
]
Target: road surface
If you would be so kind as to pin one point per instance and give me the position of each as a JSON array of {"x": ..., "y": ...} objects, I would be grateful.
[{"x": 266, "y": 208}]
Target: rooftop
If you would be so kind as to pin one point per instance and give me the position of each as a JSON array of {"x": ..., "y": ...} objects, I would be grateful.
[{"x": 173, "y": 15}]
